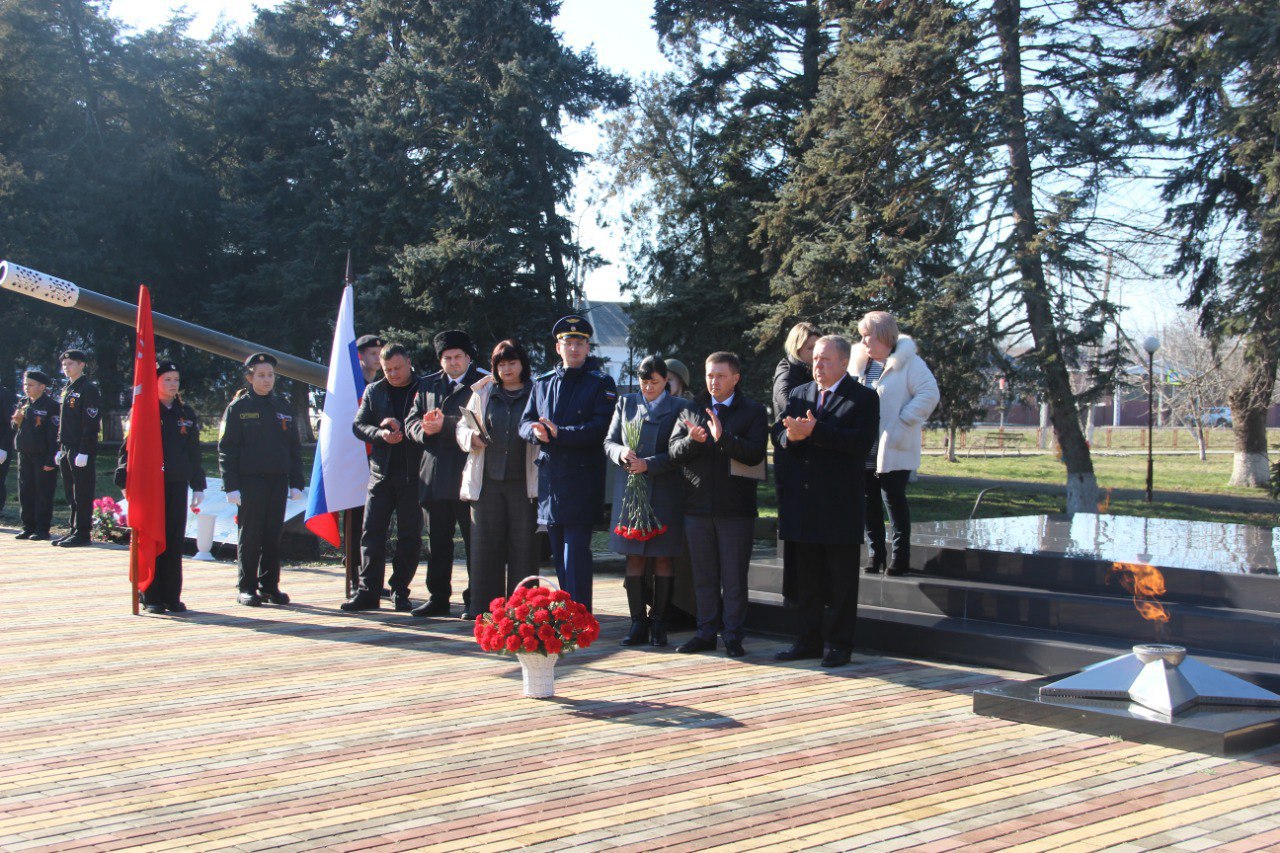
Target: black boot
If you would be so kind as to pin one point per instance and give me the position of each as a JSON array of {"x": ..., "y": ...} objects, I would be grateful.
[
  {"x": 875, "y": 565},
  {"x": 662, "y": 588},
  {"x": 639, "y": 633}
]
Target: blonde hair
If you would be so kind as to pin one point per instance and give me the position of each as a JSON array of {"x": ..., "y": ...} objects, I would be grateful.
[
  {"x": 881, "y": 326},
  {"x": 799, "y": 334}
]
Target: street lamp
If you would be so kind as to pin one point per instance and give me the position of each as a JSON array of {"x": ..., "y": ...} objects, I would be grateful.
[{"x": 1151, "y": 344}]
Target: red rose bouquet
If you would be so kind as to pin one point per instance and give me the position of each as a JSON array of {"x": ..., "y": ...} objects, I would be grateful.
[
  {"x": 537, "y": 620},
  {"x": 636, "y": 520}
]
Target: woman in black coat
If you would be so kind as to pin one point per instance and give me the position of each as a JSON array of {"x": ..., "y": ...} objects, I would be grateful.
[
  {"x": 183, "y": 469},
  {"x": 795, "y": 369},
  {"x": 657, "y": 413}
]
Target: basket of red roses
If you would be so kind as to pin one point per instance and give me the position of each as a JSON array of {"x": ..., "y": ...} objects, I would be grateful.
[{"x": 537, "y": 624}]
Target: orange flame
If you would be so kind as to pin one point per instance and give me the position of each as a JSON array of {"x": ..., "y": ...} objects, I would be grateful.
[
  {"x": 1144, "y": 583},
  {"x": 1105, "y": 504}
]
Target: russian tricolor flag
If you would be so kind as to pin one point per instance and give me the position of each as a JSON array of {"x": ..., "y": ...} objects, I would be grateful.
[{"x": 340, "y": 476}]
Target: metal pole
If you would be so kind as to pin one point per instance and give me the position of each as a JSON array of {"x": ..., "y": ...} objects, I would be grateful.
[
  {"x": 1151, "y": 423},
  {"x": 58, "y": 291}
]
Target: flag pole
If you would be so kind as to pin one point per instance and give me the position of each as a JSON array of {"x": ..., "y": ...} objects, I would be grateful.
[
  {"x": 352, "y": 520},
  {"x": 133, "y": 569}
]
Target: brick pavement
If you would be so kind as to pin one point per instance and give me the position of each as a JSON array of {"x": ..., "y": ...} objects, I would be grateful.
[{"x": 305, "y": 728}]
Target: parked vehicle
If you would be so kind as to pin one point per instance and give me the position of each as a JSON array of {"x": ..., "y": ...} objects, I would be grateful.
[{"x": 1216, "y": 416}]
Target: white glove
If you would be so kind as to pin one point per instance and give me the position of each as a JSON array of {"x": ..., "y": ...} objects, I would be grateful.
[
  {"x": 4, "y": 454},
  {"x": 233, "y": 498},
  {"x": 82, "y": 459},
  {"x": 57, "y": 457},
  {"x": 197, "y": 498},
  {"x": 295, "y": 494}
]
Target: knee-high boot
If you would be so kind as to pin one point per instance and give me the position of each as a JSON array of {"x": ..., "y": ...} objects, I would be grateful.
[
  {"x": 639, "y": 633},
  {"x": 662, "y": 588}
]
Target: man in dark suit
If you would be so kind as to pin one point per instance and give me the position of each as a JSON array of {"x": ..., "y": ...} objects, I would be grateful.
[
  {"x": 720, "y": 505},
  {"x": 433, "y": 425},
  {"x": 827, "y": 431},
  {"x": 393, "y": 484}
]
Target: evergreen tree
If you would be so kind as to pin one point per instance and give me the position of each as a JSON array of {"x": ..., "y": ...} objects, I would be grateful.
[{"x": 1217, "y": 67}]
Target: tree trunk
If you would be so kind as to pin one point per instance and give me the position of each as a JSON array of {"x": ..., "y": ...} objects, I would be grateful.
[
  {"x": 1082, "y": 486},
  {"x": 951, "y": 443},
  {"x": 1250, "y": 401},
  {"x": 302, "y": 412}
]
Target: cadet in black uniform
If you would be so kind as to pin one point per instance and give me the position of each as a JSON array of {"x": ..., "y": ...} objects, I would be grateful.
[
  {"x": 7, "y": 402},
  {"x": 36, "y": 423},
  {"x": 260, "y": 457},
  {"x": 78, "y": 446},
  {"x": 180, "y": 438}
]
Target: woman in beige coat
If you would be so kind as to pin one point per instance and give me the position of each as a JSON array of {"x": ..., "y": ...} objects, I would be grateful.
[
  {"x": 887, "y": 361},
  {"x": 499, "y": 479}
]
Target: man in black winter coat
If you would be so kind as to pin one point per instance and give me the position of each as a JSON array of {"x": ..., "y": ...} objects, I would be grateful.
[
  {"x": 393, "y": 484},
  {"x": 827, "y": 430},
  {"x": 433, "y": 425},
  {"x": 721, "y": 453}
]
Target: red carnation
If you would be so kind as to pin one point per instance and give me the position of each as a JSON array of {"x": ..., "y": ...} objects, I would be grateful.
[
  {"x": 560, "y": 595},
  {"x": 526, "y": 630},
  {"x": 522, "y": 613},
  {"x": 512, "y": 643},
  {"x": 530, "y": 644},
  {"x": 506, "y": 626},
  {"x": 554, "y": 647},
  {"x": 497, "y": 605},
  {"x": 542, "y": 616}
]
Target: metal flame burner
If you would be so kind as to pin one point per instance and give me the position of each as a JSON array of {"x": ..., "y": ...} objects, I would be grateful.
[{"x": 1161, "y": 678}]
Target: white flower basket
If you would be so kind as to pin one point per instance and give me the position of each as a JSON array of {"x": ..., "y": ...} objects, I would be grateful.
[{"x": 539, "y": 674}]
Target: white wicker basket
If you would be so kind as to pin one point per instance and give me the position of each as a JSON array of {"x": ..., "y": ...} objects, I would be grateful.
[{"x": 539, "y": 669}]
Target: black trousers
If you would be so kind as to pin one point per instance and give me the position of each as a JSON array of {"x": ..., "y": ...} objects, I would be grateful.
[
  {"x": 4, "y": 480},
  {"x": 893, "y": 486},
  {"x": 504, "y": 536},
  {"x": 35, "y": 493},
  {"x": 261, "y": 521},
  {"x": 720, "y": 547},
  {"x": 827, "y": 576},
  {"x": 78, "y": 485},
  {"x": 442, "y": 518},
  {"x": 166, "y": 586},
  {"x": 395, "y": 495}
]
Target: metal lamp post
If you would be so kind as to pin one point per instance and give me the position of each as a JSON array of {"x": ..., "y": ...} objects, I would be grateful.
[{"x": 1151, "y": 344}]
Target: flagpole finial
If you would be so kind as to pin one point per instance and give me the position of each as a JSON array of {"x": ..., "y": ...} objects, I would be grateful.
[{"x": 351, "y": 276}]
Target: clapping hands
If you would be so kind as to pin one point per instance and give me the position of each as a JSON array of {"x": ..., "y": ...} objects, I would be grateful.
[{"x": 798, "y": 429}]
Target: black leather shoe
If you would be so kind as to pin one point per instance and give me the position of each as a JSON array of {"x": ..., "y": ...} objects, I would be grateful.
[
  {"x": 249, "y": 599},
  {"x": 896, "y": 571},
  {"x": 176, "y": 607},
  {"x": 38, "y": 537},
  {"x": 386, "y": 593},
  {"x": 734, "y": 649},
  {"x": 361, "y": 601},
  {"x": 154, "y": 608},
  {"x": 873, "y": 568},
  {"x": 431, "y": 608},
  {"x": 73, "y": 542},
  {"x": 799, "y": 652},
  {"x": 274, "y": 596},
  {"x": 26, "y": 534},
  {"x": 835, "y": 656},
  {"x": 400, "y": 601},
  {"x": 696, "y": 644}
]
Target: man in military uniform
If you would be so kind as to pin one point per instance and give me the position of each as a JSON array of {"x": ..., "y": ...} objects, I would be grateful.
[
  {"x": 36, "y": 424},
  {"x": 368, "y": 350},
  {"x": 433, "y": 426},
  {"x": 7, "y": 402},
  {"x": 393, "y": 484},
  {"x": 78, "y": 446},
  {"x": 260, "y": 458},
  {"x": 567, "y": 417}
]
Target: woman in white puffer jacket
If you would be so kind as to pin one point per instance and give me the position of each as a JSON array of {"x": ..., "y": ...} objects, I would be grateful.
[{"x": 887, "y": 361}]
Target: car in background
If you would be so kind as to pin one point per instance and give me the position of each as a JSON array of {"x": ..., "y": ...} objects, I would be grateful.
[{"x": 1216, "y": 416}]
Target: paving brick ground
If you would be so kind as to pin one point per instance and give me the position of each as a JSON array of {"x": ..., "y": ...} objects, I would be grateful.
[{"x": 304, "y": 728}]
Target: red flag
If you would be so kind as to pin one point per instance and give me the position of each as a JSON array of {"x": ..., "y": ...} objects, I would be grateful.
[{"x": 145, "y": 470}]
